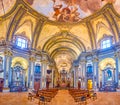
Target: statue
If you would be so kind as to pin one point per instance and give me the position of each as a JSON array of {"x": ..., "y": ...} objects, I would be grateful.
[{"x": 109, "y": 74}]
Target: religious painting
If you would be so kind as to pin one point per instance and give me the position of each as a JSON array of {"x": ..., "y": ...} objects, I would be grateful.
[
  {"x": 6, "y": 5},
  {"x": 18, "y": 75},
  {"x": 89, "y": 69},
  {"x": 37, "y": 69},
  {"x": 108, "y": 74},
  {"x": 69, "y": 10}
]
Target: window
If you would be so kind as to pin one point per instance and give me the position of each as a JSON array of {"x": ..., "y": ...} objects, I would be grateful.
[
  {"x": 106, "y": 43},
  {"x": 21, "y": 42}
]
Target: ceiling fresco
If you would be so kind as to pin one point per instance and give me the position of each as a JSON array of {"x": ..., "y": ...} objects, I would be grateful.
[
  {"x": 70, "y": 10},
  {"x": 62, "y": 10},
  {"x": 6, "y": 5}
]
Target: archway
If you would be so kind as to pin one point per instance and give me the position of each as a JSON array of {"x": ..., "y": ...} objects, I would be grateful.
[
  {"x": 64, "y": 48},
  {"x": 107, "y": 72},
  {"x": 18, "y": 74}
]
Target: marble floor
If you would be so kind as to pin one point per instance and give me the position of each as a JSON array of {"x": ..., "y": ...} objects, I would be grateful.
[{"x": 62, "y": 98}]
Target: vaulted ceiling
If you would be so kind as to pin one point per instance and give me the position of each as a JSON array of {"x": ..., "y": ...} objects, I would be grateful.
[{"x": 62, "y": 40}]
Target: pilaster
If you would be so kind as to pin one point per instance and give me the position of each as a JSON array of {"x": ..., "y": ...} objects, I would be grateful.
[
  {"x": 95, "y": 73},
  {"x": 7, "y": 67},
  {"x": 83, "y": 78},
  {"x": 117, "y": 70},
  {"x": 31, "y": 72},
  {"x": 43, "y": 73}
]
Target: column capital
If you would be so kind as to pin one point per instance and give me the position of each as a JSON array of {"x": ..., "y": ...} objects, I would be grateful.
[
  {"x": 32, "y": 59},
  {"x": 50, "y": 65},
  {"x": 95, "y": 59},
  {"x": 44, "y": 61},
  {"x": 117, "y": 54},
  {"x": 8, "y": 53},
  {"x": 83, "y": 61}
]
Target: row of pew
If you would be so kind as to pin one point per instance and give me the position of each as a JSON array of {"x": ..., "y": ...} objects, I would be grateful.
[
  {"x": 80, "y": 96},
  {"x": 44, "y": 96}
]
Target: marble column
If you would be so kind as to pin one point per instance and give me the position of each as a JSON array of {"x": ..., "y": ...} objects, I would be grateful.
[
  {"x": 29, "y": 75},
  {"x": 103, "y": 77},
  {"x": 84, "y": 79},
  {"x": 76, "y": 75},
  {"x": 74, "y": 78},
  {"x": 32, "y": 75},
  {"x": 52, "y": 75},
  {"x": 117, "y": 59},
  {"x": 117, "y": 71},
  {"x": 52, "y": 79},
  {"x": 31, "y": 72},
  {"x": 95, "y": 73},
  {"x": 4, "y": 68},
  {"x": 43, "y": 74},
  {"x": 7, "y": 68}
]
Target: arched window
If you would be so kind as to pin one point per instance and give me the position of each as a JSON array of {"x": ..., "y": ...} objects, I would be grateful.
[
  {"x": 21, "y": 42},
  {"x": 106, "y": 43}
]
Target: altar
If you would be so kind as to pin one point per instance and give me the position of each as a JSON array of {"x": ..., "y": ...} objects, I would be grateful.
[{"x": 63, "y": 85}]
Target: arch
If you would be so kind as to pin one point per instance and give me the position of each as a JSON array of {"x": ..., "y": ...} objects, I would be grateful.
[
  {"x": 28, "y": 25},
  {"x": 107, "y": 61},
  {"x": 67, "y": 38},
  {"x": 63, "y": 37},
  {"x": 20, "y": 60},
  {"x": 64, "y": 40},
  {"x": 18, "y": 74},
  {"x": 16, "y": 19},
  {"x": 54, "y": 52}
]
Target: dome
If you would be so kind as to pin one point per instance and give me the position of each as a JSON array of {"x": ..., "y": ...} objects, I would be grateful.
[
  {"x": 6, "y": 5},
  {"x": 69, "y": 10}
]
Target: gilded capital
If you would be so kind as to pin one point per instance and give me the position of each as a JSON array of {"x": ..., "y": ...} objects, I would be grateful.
[
  {"x": 32, "y": 59},
  {"x": 8, "y": 53},
  {"x": 95, "y": 60}
]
